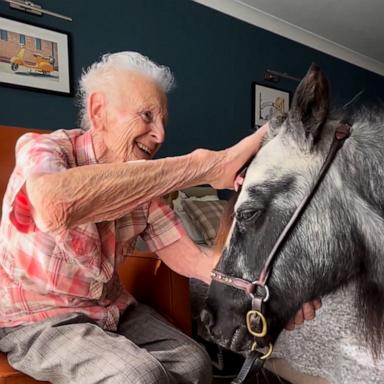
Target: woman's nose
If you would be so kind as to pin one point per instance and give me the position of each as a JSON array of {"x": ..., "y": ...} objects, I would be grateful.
[{"x": 158, "y": 132}]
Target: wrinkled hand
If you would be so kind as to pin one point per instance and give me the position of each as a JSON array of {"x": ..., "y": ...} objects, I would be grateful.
[
  {"x": 231, "y": 160},
  {"x": 306, "y": 312},
  {"x": 239, "y": 180}
]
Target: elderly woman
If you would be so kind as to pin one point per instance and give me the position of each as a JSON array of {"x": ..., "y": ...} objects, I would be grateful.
[{"x": 74, "y": 207}]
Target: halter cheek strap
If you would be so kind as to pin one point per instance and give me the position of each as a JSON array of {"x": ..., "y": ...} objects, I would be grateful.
[
  {"x": 252, "y": 363},
  {"x": 258, "y": 290}
]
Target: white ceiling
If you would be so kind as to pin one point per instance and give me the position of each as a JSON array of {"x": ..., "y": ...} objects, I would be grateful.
[{"x": 352, "y": 30}]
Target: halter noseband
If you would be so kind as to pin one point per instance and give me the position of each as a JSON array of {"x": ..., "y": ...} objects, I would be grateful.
[{"x": 258, "y": 289}]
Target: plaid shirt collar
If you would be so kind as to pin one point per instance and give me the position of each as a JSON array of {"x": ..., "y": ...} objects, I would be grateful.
[{"x": 85, "y": 153}]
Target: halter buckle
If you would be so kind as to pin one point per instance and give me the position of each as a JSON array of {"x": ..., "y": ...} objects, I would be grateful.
[
  {"x": 267, "y": 354},
  {"x": 251, "y": 315}
]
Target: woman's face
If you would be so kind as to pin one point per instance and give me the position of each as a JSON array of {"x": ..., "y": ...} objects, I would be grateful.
[{"x": 135, "y": 115}]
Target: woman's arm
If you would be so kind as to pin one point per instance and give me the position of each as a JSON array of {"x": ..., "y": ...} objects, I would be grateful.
[
  {"x": 186, "y": 258},
  {"x": 102, "y": 192}
]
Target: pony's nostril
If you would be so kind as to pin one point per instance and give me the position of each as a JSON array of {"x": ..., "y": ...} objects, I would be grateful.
[{"x": 206, "y": 318}]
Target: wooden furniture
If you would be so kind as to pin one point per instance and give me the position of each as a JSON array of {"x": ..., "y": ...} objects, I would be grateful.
[{"x": 150, "y": 281}]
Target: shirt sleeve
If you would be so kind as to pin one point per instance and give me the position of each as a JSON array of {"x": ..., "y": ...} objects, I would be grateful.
[
  {"x": 35, "y": 153},
  {"x": 40, "y": 153},
  {"x": 164, "y": 228}
]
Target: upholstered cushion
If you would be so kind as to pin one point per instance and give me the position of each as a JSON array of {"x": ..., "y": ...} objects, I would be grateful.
[{"x": 206, "y": 216}]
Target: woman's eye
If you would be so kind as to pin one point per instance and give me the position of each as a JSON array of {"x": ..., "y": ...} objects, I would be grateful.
[
  {"x": 245, "y": 215},
  {"x": 147, "y": 116}
]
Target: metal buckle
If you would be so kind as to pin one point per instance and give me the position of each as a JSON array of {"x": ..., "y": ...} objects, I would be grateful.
[
  {"x": 250, "y": 316},
  {"x": 267, "y": 354},
  {"x": 266, "y": 297}
]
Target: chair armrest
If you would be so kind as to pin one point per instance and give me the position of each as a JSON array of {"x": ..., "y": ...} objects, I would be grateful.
[{"x": 150, "y": 281}]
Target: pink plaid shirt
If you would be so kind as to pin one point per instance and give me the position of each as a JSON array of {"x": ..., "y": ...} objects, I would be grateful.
[{"x": 48, "y": 274}]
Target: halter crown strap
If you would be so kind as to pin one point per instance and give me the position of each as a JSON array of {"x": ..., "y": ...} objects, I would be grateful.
[
  {"x": 341, "y": 133},
  {"x": 254, "y": 358}
]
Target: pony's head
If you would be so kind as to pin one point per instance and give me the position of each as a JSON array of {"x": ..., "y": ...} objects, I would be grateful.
[{"x": 329, "y": 245}]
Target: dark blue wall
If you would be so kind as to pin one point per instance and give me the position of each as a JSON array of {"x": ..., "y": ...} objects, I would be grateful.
[{"x": 214, "y": 57}]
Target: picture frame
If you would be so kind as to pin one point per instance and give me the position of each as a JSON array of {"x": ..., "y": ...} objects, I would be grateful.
[
  {"x": 268, "y": 102},
  {"x": 34, "y": 57}
]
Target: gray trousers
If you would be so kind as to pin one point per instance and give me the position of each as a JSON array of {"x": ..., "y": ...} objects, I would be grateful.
[{"x": 70, "y": 349}]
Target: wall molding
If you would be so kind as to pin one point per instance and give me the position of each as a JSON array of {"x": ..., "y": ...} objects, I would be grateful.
[{"x": 244, "y": 12}]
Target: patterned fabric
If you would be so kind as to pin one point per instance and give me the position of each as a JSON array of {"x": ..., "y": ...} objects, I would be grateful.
[
  {"x": 206, "y": 216},
  {"x": 146, "y": 349},
  {"x": 75, "y": 270}
]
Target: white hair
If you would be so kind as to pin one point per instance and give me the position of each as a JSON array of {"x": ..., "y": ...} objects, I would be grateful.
[{"x": 99, "y": 75}]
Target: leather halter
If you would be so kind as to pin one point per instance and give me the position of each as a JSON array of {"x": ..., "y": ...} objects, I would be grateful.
[{"x": 258, "y": 289}]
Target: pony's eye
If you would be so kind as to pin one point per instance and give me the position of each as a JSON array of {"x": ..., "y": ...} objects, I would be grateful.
[{"x": 246, "y": 215}]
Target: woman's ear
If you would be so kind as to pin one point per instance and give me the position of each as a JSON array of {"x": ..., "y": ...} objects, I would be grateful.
[{"x": 96, "y": 110}]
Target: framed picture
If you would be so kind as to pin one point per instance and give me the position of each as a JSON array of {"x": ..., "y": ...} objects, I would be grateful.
[
  {"x": 34, "y": 57},
  {"x": 267, "y": 102}
]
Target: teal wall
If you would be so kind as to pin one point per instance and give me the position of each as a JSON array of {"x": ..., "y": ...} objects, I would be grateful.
[{"x": 214, "y": 57}]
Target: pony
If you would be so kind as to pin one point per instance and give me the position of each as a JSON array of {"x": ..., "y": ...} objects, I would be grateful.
[{"x": 338, "y": 238}]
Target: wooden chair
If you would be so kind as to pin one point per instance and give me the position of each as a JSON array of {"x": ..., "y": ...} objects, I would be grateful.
[{"x": 150, "y": 281}]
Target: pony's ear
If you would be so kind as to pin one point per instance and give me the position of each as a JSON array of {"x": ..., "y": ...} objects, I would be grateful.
[{"x": 310, "y": 104}]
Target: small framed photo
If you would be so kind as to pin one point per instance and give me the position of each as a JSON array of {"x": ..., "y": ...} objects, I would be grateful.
[
  {"x": 268, "y": 102},
  {"x": 34, "y": 57}
]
